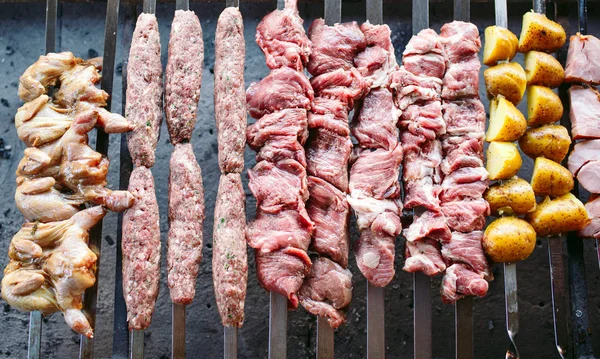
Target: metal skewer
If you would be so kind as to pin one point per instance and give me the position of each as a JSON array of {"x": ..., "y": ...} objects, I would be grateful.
[
  {"x": 464, "y": 307},
  {"x": 35, "y": 317},
  {"x": 421, "y": 283},
  {"x": 90, "y": 299}
]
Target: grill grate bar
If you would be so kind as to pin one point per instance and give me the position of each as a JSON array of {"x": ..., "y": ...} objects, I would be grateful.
[{"x": 422, "y": 329}]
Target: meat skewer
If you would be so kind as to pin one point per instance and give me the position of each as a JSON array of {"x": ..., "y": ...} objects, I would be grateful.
[
  {"x": 281, "y": 231},
  {"x": 230, "y": 262},
  {"x": 183, "y": 79}
]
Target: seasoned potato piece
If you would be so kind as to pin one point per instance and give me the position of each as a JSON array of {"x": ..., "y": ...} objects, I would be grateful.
[
  {"x": 560, "y": 215},
  {"x": 500, "y": 45},
  {"x": 541, "y": 34},
  {"x": 507, "y": 123},
  {"x": 550, "y": 178},
  {"x": 508, "y": 80},
  {"x": 543, "y": 69},
  {"x": 550, "y": 141},
  {"x": 544, "y": 106},
  {"x": 503, "y": 160},
  {"x": 509, "y": 240},
  {"x": 514, "y": 196}
]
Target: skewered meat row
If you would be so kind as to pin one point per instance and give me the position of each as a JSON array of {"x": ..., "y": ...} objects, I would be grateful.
[
  {"x": 230, "y": 259},
  {"x": 183, "y": 79},
  {"x": 374, "y": 187},
  {"x": 141, "y": 230},
  {"x": 584, "y": 160},
  {"x": 465, "y": 211},
  {"x": 281, "y": 231},
  {"x": 417, "y": 89},
  {"x": 51, "y": 265},
  {"x": 327, "y": 290}
]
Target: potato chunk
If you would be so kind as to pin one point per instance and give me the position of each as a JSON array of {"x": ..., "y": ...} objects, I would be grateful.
[
  {"x": 541, "y": 34},
  {"x": 509, "y": 240},
  {"x": 507, "y": 123},
  {"x": 544, "y": 106},
  {"x": 543, "y": 69},
  {"x": 560, "y": 215},
  {"x": 550, "y": 178},
  {"x": 508, "y": 80},
  {"x": 500, "y": 45},
  {"x": 514, "y": 196},
  {"x": 550, "y": 141},
  {"x": 503, "y": 160}
]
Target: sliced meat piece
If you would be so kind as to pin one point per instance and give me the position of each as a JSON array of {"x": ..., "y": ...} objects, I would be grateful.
[
  {"x": 283, "y": 88},
  {"x": 430, "y": 64},
  {"x": 460, "y": 281},
  {"x": 429, "y": 224},
  {"x": 285, "y": 123},
  {"x": 422, "y": 193},
  {"x": 424, "y": 256},
  {"x": 585, "y": 112},
  {"x": 377, "y": 62},
  {"x": 425, "y": 42},
  {"x": 583, "y": 64},
  {"x": 343, "y": 85},
  {"x": 424, "y": 119},
  {"x": 467, "y": 248},
  {"x": 374, "y": 126},
  {"x": 186, "y": 217},
  {"x": 380, "y": 215},
  {"x": 422, "y": 157},
  {"x": 326, "y": 290},
  {"x": 464, "y": 183},
  {"x": 230, "y": 91},
  {"x": 278, "y": 186},
  {"x": 281, "y": 37},
  {"x": 464, "y": 116},
  {"x": 183, "y": 76},
  {"x": 461, "y": 41},
  {"x": 592, "y": 230},
  {"x": 330, "y": 114},
  {"x": 328, "y": 208},
  {"x": 141, "y": 250},
  {"x": 583, "y": 152},
  {"x": 283, "y": 272},
  {"x": 144, "y": 91},
  {"x": 334, "y": 47},
  {"x": 377, "y": 35},
  {"x": 375, "y": 257},
  {"x": 589, "y": 176},
  {"x": 375, "y": 173},
  {"x": 229, "y": 256},
  {"x": 462, "y": 151},
  {"x": 280, "y": 148},
  {"x": 410, "y": 88},
  {"x": 271, "y": 232},
  {"x": 462, "y": 80},
  {"x": 466, "y": 216},
  {"x": 327, "y": 157}
]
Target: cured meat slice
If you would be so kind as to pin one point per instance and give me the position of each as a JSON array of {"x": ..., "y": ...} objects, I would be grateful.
[
  {"x": 583, "y": 64},
  {"x": 585, "y": 113}
]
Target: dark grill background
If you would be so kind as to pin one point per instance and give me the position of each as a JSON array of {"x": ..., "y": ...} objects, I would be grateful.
[{"x": 82, "y": 32}]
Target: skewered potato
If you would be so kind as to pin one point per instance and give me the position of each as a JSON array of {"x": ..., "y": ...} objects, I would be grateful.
[
  {"x": 544, "y": 106},
  {"x": 560, "y": 215},
  {"x": 550, "y": 141},
  {"x": 500, "y": 45},
  {"x": 543, "y": 69},
  {"x": 507, "y": 123},
  {"x": 514, "y": 196},
  {"x": 550, "y": 178},
  {"x": 503, "y": 160},
  {"x": 509, "y": 240},
  {"x": 508, "y": 80},
  {"x": 541, "y": 34}
]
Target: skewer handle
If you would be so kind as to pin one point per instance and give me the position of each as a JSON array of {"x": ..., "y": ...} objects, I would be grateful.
[
  {"x": 422, "y": 316},
  {"x": 178, "y": 331},
  {"x": 136, "y": 349},
  {"x": 375, "y": 322},
  {"x": 35, "y": 335},
  {"x": 324, "y": 339},
  {"x": 464, "y": 328},
  {"x": 278, "y": 327},
  {"x": 559, "y": 304},
  {"x": 230, "y": 336}
]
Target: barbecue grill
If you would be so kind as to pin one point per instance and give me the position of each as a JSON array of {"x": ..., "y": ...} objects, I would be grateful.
[{"x": 556, "y": 315}]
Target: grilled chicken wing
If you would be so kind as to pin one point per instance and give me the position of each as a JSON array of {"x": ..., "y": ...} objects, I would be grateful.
[{"x": 51, "y": 267}]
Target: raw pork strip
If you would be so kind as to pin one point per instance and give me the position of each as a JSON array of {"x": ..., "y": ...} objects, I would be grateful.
[
  {"x": 186, "y": 216},
  {"x": 229, "y": 92},
  {"x": 230, "y": 260},
  {"x": 183, "y": 76},
  {"x": 144, "y": 91},
  {"x": 141, "y": 250}
]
